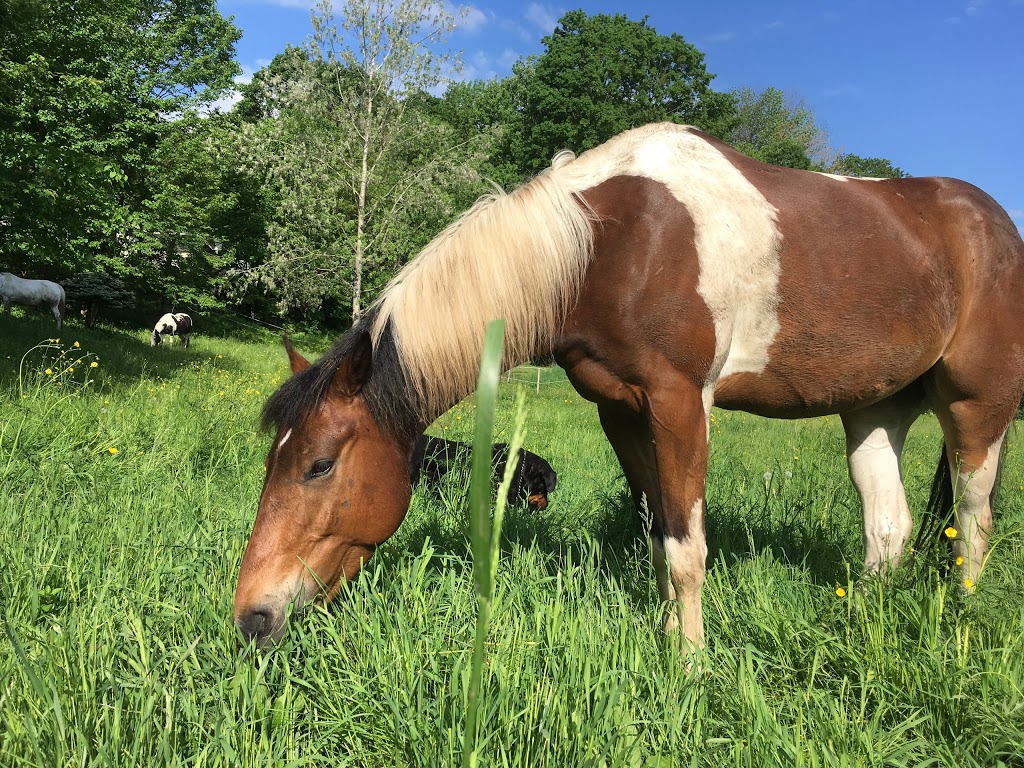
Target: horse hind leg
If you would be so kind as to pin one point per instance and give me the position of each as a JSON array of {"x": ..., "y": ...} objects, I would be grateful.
[
  {"x": 56, "y": 315},
  {"x": 974, "y": 435},
  {"x": 874, "y": 444}
]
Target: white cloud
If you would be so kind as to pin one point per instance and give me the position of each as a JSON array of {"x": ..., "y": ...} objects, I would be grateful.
[
  {"x": 227, "y": 102},
  {"x": 771, "y": 26},
  {"x": 1016, "y": 213},
  {"x": 722, "y": 37},
  {"x": 479, "y": 66},
  {"x": 974, "y": 6},
  {"x": 305, "y": 5},
  {"x": 543, "y": 17}
]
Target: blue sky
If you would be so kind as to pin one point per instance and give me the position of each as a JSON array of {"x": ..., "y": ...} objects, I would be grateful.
[{"x": 936, "y": 86}]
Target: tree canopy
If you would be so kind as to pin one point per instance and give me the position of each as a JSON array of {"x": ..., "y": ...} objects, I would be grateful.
[
  {"x": 86, "y": 90},
  {"x": 601, "y": 75},
  {"x": 340, "y": 162}
]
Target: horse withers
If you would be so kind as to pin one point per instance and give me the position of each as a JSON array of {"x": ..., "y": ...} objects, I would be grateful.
[
  {"x": 667, "y": 273},
  {"x": 20, "y": 290},
  {"x": 172, "y": 324}
]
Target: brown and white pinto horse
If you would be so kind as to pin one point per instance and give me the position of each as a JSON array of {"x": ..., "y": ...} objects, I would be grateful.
[{"x": 667, "y": 273}]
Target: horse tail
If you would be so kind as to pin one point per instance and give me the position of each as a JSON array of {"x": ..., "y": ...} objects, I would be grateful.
[
  {"x": 939, "y": 512},
  {"x": 940, "y": 504},
  {"x": 999, "y": 466},
  {"x": 60, "y": 302}
]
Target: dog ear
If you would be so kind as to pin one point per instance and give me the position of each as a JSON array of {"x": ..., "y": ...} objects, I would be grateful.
[{"x": 297, "y": 361}]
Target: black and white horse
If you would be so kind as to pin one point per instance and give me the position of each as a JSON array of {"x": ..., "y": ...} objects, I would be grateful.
[{"x": 172, "y": 324}]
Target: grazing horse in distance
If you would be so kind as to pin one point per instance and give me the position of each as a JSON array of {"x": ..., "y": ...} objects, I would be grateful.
[
  {"x": 667, "y": 273},
  {"x": 172, "y": 324},
  {"x": 32, "y": 293}
]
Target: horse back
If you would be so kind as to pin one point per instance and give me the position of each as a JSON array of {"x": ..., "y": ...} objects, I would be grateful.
[{"x": 792, "y": 293}]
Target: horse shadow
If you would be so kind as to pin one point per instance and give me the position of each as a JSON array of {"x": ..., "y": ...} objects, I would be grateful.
[
  {"x": 122, "y": 356},
  {"x": 616, "y": 539}
]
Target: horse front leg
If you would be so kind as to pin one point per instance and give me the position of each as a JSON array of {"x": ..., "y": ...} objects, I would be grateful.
[
  {"x": 663, "y": 452},
  {"x": 679, "y": 429}
]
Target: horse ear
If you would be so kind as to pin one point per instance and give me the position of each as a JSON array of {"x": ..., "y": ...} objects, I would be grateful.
[
  {"x": 298, "y": 362},
  {"x": 355, "y": 368}
]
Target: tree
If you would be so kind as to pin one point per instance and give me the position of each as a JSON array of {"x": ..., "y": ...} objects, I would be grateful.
[
  {"x": 389, "y": 58},
  {"x": 601, "y": 75},
  {"x": 486, "y": 120},
  {"x": 91, "y": 290},
  {"x": 779, "y": 129},
  {"x": 867, "y": 167},
  {"x": 345, "y": 142},
  {"x": 86, "y": 87}
]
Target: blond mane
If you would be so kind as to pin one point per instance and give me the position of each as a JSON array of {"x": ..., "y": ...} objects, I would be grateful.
[{"x": 519, "y": 256}]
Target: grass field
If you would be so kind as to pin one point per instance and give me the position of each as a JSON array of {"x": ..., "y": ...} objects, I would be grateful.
[{"x": 126, "y": 502}]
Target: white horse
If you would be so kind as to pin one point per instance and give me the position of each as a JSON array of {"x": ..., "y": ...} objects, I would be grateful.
[
  {"x": 32, "y": 293},
  {"x": 172, "y": 324}
]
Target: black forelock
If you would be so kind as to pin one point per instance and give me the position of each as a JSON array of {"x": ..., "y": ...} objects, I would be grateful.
[{"x": 391, "y": 400}]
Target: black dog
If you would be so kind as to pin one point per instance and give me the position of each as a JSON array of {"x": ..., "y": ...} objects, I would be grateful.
[{"x": 534, "y": 479}]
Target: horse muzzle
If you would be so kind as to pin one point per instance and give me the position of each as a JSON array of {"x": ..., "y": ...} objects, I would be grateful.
[{"x": 262, "y": 625}]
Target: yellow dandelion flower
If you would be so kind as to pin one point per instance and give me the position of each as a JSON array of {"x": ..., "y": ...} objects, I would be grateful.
[
  {"x": 840, "y": 592},
  {"x": 960, "y": 561},
  {"x": 950, "y": 532},
  {"x": 49, "y": 371},
  {"x": 968, "y": 583},
  {"x": 76, "y": 345},
  {"x": 112, "y": 451},
  {"x": 94, "y": 364},
  {"x": 71, "y": 370}
]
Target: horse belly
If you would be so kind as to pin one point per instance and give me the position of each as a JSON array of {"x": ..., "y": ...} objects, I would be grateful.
[{"x": 831, "y": 362}]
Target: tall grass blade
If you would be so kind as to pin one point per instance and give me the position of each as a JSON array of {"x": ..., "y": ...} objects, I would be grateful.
[{"x": 480, "y": 520}]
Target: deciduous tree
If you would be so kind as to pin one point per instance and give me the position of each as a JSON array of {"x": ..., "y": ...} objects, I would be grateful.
[
  {"x": 86, "y": 90},
  {"x": 361, "y": 166},
  {"x": 601, "y": 75}
]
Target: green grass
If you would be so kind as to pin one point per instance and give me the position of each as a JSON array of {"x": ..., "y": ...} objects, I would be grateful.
[{"x": 117, "y": 574}]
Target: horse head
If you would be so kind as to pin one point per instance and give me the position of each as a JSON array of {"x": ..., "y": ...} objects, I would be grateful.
[{"x": 336, "y": 486}]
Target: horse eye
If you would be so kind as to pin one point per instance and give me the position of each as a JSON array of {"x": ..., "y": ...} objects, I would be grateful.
[{"x": 320, "y": 468}]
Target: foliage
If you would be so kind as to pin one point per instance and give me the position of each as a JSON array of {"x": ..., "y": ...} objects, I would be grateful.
[
  {"x": 779, "y": 129},
  {"x": 91, "y": 290},
  {"x": 86, "y": 88},
  {"x": 601, "y": 75},
  {"x": 868, "y": 167},
  {"x": 487, "y": 122},
  {"x": 362, "y": 170},
  {"x": 117, "y": 646}
]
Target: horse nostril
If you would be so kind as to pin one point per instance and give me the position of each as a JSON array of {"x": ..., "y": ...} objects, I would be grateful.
[{"x": 256, "y": 624}]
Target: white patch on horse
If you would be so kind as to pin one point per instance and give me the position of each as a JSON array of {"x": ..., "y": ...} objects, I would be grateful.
[
  {"x": 837, "y": 177},
  {"x": 283, "y": 440},
  {"x": 737, "y": 238},
  {"x": 973, "y": 520},
  {"x": 687, "y": 564},
  {"x": 875, "y": 471}
]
